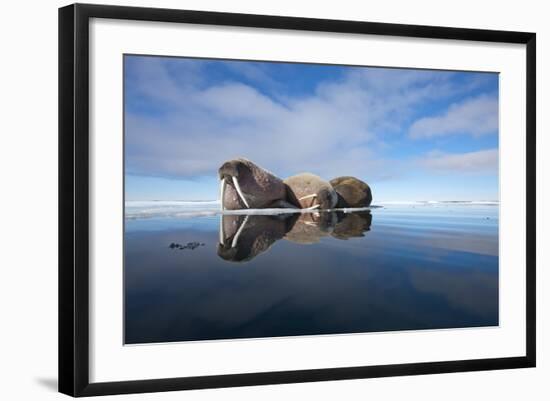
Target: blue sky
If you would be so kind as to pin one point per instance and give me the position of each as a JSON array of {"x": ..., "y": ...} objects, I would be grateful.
[{"x": 410, "y": 134}]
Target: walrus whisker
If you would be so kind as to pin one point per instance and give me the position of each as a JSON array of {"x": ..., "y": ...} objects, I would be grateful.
[
  {"x": 222, "y": 191},
  {"x": 238, "y": 188},
  {"x": 239, "y": 231}
]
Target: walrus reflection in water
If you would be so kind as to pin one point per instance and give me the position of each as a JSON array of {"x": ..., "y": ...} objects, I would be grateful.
[
  {"x": 243, "y": 237},
  {"x": 352, "y": 225},
  {"x": 311, "y": 227}
]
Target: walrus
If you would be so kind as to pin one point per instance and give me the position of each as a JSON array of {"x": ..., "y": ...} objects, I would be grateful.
[
  {"x": 245, "y": 185},
  {"x": 309, "y": 191},
  {"x": 352, "y": 192},
  {"x": 243, "y": 237}
]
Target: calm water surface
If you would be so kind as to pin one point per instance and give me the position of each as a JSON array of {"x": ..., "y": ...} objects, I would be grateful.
[{"x": 205, "y": 277}]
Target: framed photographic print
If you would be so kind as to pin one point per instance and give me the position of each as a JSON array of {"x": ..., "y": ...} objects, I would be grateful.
[{"x": 251, "y": 199}]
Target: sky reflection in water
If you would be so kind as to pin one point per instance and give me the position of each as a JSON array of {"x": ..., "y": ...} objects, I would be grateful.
[{"x": 395, "y": 268}]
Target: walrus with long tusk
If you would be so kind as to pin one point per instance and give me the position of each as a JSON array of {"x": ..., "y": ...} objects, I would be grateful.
[
  {"x": 245, "y": 185},
  {"x": 309, "y": 191}
]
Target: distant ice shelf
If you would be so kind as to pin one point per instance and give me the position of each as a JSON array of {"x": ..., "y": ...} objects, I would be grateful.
[{"x": 196, "y": 208}]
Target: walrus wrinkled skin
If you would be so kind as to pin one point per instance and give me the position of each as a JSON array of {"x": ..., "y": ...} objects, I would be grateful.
[
  {"x": 309, "y": 191},
  {"x": 243, "y": 237},
  {"x": 247, "y": 185},
  {"x": 352, "y": 192}
]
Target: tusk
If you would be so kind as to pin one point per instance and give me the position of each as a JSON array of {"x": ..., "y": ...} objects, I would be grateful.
[
  {"x": 239, "y": 231},
  {"x": 312, "y": 207},
  {"x": 308, "y": 196},
  {"x": 222, "y": 191},
  {"x": 222, "y": 233},
  {"x": 238, "y": 188}
]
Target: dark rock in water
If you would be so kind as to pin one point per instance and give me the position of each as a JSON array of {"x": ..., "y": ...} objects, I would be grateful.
[
  {"x": 189, "y": 245},
  {"x": 352, "y": 192}
]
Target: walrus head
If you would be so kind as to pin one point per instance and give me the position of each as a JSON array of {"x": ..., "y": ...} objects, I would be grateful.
[
  {"x": 244, "y": 184},
  {"x": 309, "y": 191}
]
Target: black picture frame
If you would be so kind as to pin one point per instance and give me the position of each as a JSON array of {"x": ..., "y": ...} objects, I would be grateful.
[{"x": 74, "y": 200}]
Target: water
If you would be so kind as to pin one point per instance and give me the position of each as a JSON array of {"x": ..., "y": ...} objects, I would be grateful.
[{"x": 399, "y": 267}]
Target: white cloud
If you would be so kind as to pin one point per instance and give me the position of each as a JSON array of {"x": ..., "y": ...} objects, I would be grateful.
[
  {"x": 483, "y": 161},
  {"x": 334, "y": 131},
  {"x": 477, "y": 116}
]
